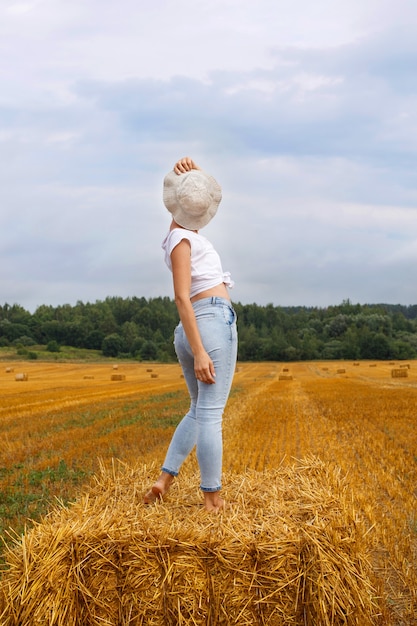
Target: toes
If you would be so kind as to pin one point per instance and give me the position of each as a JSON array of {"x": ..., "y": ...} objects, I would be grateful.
[
  {"x": 149, "y": 497},
  {"x": 157, "y": 492},
  {"x": 153, "y": 495}
]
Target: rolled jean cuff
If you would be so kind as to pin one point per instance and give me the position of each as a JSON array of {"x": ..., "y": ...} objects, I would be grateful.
[
  {"x": 168, "y": 471},
  {"x": 210, "y": 489}
]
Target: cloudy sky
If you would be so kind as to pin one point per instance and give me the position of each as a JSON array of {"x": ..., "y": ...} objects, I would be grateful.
[{"x": 305, "y": 112}]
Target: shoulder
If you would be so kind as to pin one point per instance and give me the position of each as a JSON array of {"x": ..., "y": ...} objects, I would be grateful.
[{"x": 176, "y": 236}]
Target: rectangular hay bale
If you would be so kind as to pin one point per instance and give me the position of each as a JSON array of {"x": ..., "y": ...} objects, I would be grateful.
[{"x": 399, "y": 373}]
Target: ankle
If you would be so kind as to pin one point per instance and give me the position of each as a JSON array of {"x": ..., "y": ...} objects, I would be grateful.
[
  {"x": 165, "y": 480},
  {"x": 213, "y": 501}
]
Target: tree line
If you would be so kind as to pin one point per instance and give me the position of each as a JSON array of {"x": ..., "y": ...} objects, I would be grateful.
[{"x": 142, "y": 329}]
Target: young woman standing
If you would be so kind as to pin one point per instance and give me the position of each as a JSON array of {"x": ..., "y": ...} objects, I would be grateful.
[{"x": 206, "y": 336}]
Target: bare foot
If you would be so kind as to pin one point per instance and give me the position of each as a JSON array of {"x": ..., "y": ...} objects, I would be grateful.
[
  {"x": 159, "y": 489},
  {"x": 213, "y": 502}
]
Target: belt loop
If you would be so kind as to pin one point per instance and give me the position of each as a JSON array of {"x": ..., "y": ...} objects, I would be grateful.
[{"x": 213, "y": 299}]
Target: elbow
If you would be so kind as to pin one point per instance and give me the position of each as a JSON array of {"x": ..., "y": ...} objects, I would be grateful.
[{"x": 182, "y": 300}]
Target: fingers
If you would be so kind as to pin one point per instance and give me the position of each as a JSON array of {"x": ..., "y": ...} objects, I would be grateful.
[
  {"x": 206, "y": 376},
  {"x": 204, "y": 368},
  {"x": 209, "y": 380},
  {"x": 185, "y": 165}
]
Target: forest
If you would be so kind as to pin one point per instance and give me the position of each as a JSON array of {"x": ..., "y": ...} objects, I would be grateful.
[{"x": 142, "y": 329}]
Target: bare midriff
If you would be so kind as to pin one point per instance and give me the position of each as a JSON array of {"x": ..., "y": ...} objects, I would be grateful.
[{"x": 219, "y": 290}]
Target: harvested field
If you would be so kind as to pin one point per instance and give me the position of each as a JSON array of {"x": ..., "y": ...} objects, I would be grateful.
[{"x": 343, "y": 445}]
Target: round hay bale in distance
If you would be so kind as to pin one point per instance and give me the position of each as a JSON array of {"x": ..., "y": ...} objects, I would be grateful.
[{"x": 22, "y": 376}]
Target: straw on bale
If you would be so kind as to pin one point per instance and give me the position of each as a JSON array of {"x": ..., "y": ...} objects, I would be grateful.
[
  {"x": 118, "y": 377},
  {"x": 289, "y": 549}
]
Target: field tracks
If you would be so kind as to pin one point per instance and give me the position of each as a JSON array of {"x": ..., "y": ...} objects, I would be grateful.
[{"x": 359, "y": 422}]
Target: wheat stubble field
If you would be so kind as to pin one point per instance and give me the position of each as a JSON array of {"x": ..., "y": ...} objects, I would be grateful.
[{"x": 67, "y": 422}]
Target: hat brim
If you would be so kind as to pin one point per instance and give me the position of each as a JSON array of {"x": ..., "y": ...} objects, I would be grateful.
[{"x": 185, "y": 217}]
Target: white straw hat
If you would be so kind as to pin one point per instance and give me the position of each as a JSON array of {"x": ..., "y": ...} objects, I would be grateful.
[{"x": 192, "y": 198}]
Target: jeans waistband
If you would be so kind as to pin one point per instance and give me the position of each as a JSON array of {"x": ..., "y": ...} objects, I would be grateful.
[{"x": 211, "y": 301}]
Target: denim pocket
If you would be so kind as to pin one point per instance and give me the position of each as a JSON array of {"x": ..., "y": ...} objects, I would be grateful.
[
  {"x": 205, "y": 314},
  {"x": 229, "y": 315}
]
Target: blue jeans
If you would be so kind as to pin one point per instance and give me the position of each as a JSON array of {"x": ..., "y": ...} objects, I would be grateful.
[{"x": 202, "y": 425}]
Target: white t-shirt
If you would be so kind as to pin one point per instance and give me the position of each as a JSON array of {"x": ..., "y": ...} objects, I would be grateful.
[{"x": 206, "y": 267}]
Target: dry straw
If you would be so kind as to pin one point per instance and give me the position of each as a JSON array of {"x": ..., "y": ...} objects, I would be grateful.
[{"x": 289, "y": 549}]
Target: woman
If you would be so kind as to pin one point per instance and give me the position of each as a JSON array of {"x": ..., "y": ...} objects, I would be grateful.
[{"x": 206, "y": 336}]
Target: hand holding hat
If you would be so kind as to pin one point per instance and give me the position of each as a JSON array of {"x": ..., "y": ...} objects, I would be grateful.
[
  {"x": 191, "y": 195},
  {"x": 185, "y": 165}
]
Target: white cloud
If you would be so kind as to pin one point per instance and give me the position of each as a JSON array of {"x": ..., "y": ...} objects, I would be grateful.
[{"x": 306, "y": 113}]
